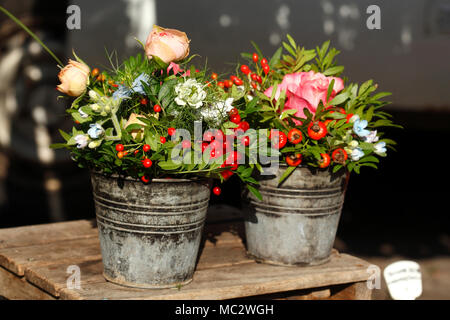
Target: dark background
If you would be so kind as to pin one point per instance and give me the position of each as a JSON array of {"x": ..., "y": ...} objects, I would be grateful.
[{"x": 400, "y": 209}]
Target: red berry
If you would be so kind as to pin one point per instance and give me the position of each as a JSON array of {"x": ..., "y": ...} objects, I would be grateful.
[
  {"x": 259, "y": 79},
  {"x": 244, "y": 126},
  {"x": 228, "y": 83},
  {"x": 147, "y": 163},
  {"x": 282, "y": 139},
  {"x": 235, "y": 119},
  {"x": 157, "y": 108},
  {"x": 221, "y": 84},
  {"x": 226, "y": 174},
  {"x": 217, "y": 191},
  {"x": 233, "y": 77},
  {"x": 119, "y": 147},
  {"x": 162, "y": 140},
  {"x": 171, "y": 131},
  {"x": 254, "y": 85},
  {"x": 208, "y": 136},
  {"x": 120, "y": 154},
  {"x": 254, "y": 76},
  {"x": 245, "y": 141},
  {"x": 233, "y": 112},
  {"x": 266, "y": 69},
  {"x": 245, "y": 69},
  {"x": 214, "y": 76},
  {"x": 238, "y": 82},
  {"x": 204, "y": 146},
  {"x": 255, "y": 57},
  {"x": 146, "y": 148},
  {"x": 186, "y": 144},
  {"x": 145, "y": 179},
  {"x": 144, "y": 101},
  {"x": 264, "y": 62}
]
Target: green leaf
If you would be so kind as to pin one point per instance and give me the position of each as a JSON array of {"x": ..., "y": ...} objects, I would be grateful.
[
  {"x": 65, "y": 135},
  {"x": 333, "y": 70},
  {"x": 275, "y": 58},
  {"x": 291, "y": 41},
  {"x": 340, "y": 98},
  {"x": 286, "y": 174},
  {"x": 169, "y": 165},
  {"x": 58, "y": 145},
  {"x": 254, "y": 191},
  {"x": 330, "y": 89}
]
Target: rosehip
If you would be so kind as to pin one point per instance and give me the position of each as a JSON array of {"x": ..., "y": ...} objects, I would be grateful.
[
  {"x": 325, "y": 161},
  {"x": 144, "y": 101},
  {"x": 245, "y": 69},
  {"x": 145, "y": 179},
  {"x": 235, "y": 119},
  {"x": 157, "y": 108},
  {"x": 217, "y": 191},
  {"x": 147, "y": 163},
  {"x": 171, "y": 131},
  {"x": 119, "y": 147},
  {"x": 146, "y": 148}
]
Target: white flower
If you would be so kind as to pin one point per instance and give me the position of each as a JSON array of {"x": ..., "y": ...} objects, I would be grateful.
[
  {"x": 83, "y": 114},
  {"x": 380, "y": 148},
  {"x": 357, "y": 154},
  {"x": 94, "y": 95},
  {"x": 249, "y": 97},
  {"x": 95, "y": 131},
  {"x": 352, "y": 145},
  {"x": 371, "y": 137},
  {"x": 81, "y": 140},
  {"x": 95, "y": 107},
  {"x": 190, "y": 93},
  {"x": 217, "y": 110}
]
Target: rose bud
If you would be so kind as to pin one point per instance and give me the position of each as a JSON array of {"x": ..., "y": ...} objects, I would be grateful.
[
  {"x": 74, "y": 78},
  {"x": 167, "y": 44}
]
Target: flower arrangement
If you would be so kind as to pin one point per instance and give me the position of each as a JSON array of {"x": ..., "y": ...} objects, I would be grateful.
[
  {"x": 312, "y": 115},
  {"x": 142, "y": 118}
]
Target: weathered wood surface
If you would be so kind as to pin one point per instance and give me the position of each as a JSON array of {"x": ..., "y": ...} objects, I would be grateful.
[{"x": 37, "y": 257}]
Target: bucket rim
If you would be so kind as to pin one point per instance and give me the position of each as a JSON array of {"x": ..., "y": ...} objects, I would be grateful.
[{"x": 164, "y": 180}]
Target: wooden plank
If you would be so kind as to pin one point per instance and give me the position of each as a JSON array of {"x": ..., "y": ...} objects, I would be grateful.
[
  {"x": 17, "y": 288},
  {"x": 47, "y": 233},
  {"x": 352, "y": 291},
  {"x": 237, "y": 282},
  {"x": 18, "y": 259},
  {"x": 52, "y": 277}
]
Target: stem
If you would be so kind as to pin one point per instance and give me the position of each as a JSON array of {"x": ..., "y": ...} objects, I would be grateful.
[
  {"x": 31, "y": 33},
  {"x": 117, "y": 127}
]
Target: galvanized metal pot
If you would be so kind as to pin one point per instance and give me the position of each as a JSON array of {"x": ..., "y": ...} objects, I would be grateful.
[
  {"x": 149, "y": 234},
  {"x": 295, "y": 223}
]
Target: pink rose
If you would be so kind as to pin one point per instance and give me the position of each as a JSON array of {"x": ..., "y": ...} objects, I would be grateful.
[
  {"x": 167, "y": 44},
  {"x": 74, "y": 78},
  {"x": 306, "y": 90}
]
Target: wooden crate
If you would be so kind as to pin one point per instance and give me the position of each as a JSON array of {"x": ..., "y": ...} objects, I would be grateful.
[{"x": 34, "y": 261}]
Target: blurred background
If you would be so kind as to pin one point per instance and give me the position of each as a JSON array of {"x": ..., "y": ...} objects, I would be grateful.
[{"x": 397, "y": 212}]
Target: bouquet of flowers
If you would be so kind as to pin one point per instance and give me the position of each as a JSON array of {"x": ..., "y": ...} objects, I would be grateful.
[
  {"x": 148, "y": 116},
  {"x": 312, "y": 115}
]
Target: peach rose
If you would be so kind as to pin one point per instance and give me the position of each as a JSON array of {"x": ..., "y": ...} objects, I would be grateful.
[
  {"x": 306, "y": 90},
  {"x": 74, "y": 78},
  {"x": 167, "y": 44}
]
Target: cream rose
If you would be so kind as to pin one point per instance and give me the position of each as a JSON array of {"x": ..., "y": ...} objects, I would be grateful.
[
  {"x": 167, "y": 44},
  {"x": 74, "y": 78}
]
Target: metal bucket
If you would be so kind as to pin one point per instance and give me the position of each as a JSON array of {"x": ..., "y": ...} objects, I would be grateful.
[
  {"x": 149, "y": 234},
  {"x": 295, "y": 223}
]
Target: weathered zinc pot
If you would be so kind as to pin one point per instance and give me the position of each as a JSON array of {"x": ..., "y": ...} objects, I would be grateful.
[
  {"x": 296, "y": 222},
  {"x": 149, "y": 234}
]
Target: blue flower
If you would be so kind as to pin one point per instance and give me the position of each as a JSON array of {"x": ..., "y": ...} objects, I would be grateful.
[
  {"x": 95, "y": 131},
  {"x": 122, "y": 92},
  {"x": 357, "y": 154},
  {"x": 137, "y": 83},
  {"x": 380, "y": 148},
  {"x": 359, "y": 127}
]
